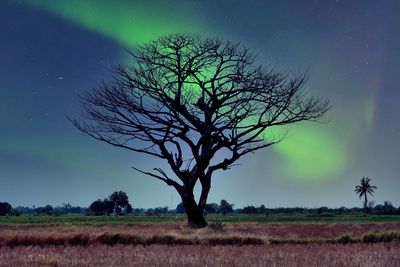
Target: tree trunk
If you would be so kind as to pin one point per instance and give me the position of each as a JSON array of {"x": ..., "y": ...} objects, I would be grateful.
[
  {"x": 365, "y": 203},
  {"x": 195, "y": 214}
]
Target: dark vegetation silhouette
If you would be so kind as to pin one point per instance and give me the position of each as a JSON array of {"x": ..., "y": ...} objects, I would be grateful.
[
  {"x": 363, "y": 189},
  {"x": 211, "y": 208},
  {"x": 99, "y": 207},
  {"x": 180, "y": 208},
  {"x": 120, "y": 202},
  {"x": 200, "y": 105},
  {"x": 5, "y": 208},
  {"x": 117, "y": 203},
  {"x": 225, "y": 207},
  {"x": 46, "y": 210}
]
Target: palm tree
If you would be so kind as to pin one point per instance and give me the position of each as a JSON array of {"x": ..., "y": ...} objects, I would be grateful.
[{"x": 365, "y": 188}]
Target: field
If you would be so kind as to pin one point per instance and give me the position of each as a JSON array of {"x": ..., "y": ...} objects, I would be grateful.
[
  {"x": 382, "y": 254},
  {"x": 278, "y": 218},
  {"x": 279, "y": 240}
]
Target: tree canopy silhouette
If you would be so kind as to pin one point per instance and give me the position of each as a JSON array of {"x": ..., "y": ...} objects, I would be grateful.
[
  {"x": 120, "y": 202},
  {"x": 200, "y": 104},
  {"x": 365, "y": 188},
  {"x": 117, "y": 202},
  {"x": 5, "y": 208}
]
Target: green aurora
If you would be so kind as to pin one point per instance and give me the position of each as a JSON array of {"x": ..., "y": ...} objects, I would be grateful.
[
  {"x": 310, "y": 152},
  {"x": 127, "y": 23}
]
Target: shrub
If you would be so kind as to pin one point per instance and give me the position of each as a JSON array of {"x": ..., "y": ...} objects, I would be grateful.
[
  {"x": 79, "y": 240},
  {"x": 5, "y": 208},
  {"x": 225, "y": 207},
  {"x": 216, "y": 226},
  {"x": 234, "y": 241},
  {"x": 345, "y": 239},
  {"x": 180, "y": 208},
  {"x": 97, "y": 208},
  {"x": 391, "y": 236},
  {"x": 114, "y": 239},
  {"x": 14, "y": 212},
  {"x": 371, "y": 238},
  {"x": 211, "y": 208}
]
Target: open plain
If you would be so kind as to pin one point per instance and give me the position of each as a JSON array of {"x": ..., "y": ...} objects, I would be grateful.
[{"x": 168, "y": 241}]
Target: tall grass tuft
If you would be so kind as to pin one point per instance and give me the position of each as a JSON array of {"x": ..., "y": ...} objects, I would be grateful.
[
  {"x": 381, "y": 237},
  {"x": 346, "y": 239},
  {"x": 114, "y": 239},
  {"x": 216, "y": 226}
]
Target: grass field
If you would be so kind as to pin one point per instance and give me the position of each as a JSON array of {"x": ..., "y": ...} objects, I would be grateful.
[
  {"x": 244, "y": 240},
  {"x": 381, "y": 254},
  {"x": 301, "y": 218}
]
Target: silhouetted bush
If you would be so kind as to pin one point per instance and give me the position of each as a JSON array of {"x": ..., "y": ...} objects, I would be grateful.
[
  {"x": 5, "y": 208},
  {"x": 97, "y": 208},
  {"x": 160, "y": 210},
  {"x": 46, "y": 210},
  {"x": 371, "y": 238},
  {"x": 120, "y": 202},
  {"x": 381, "y": 237},
  {"x": 385, "y": 209},
  {"x": 117, "y": 203},
  {"x": 14, "y": 212},
  {"x": 216, "y": 226},
  {"x": 345, "y": 239},
  {"x": 249, "y": 210},
  {"x": 211, "y": 208},
  {"x": 225, "y": 207},
  {"x": 180, "y": 208}
]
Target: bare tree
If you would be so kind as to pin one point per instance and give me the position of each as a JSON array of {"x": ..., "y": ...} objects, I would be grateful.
[{"x": 199, "y": 104}]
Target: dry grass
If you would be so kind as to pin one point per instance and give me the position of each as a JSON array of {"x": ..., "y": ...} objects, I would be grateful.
[
  {"x": 180, "y": 234},
  {"x": 378, "y": 254},
  {"x": 174, "y": 244}
]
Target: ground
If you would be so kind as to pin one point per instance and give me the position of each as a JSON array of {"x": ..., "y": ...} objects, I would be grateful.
[{"x": 280, "y": 240}]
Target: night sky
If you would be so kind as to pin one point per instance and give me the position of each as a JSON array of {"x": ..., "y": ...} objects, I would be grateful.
[{"x": 51, "y": 51}]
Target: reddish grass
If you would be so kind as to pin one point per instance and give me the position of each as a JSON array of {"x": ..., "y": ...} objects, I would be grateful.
[
  {"x": 174, "y": 244},
  {"x": 314, "y": 231},
  {"x": 180, "y": 234},
  {"x": 317, "y": 230},
  {"x": 379, "y": 254}
]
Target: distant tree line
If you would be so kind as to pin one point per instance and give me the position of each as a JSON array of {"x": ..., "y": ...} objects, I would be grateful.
[
  {"x": 45, "y": 210},
  {"x": 118, "y": 204},
  {"x": 66, "y": 208},
  {"x": 385, "y": 209},
  {"x": 5, "y": 208},
  {"x": 211, "y": 208}
]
